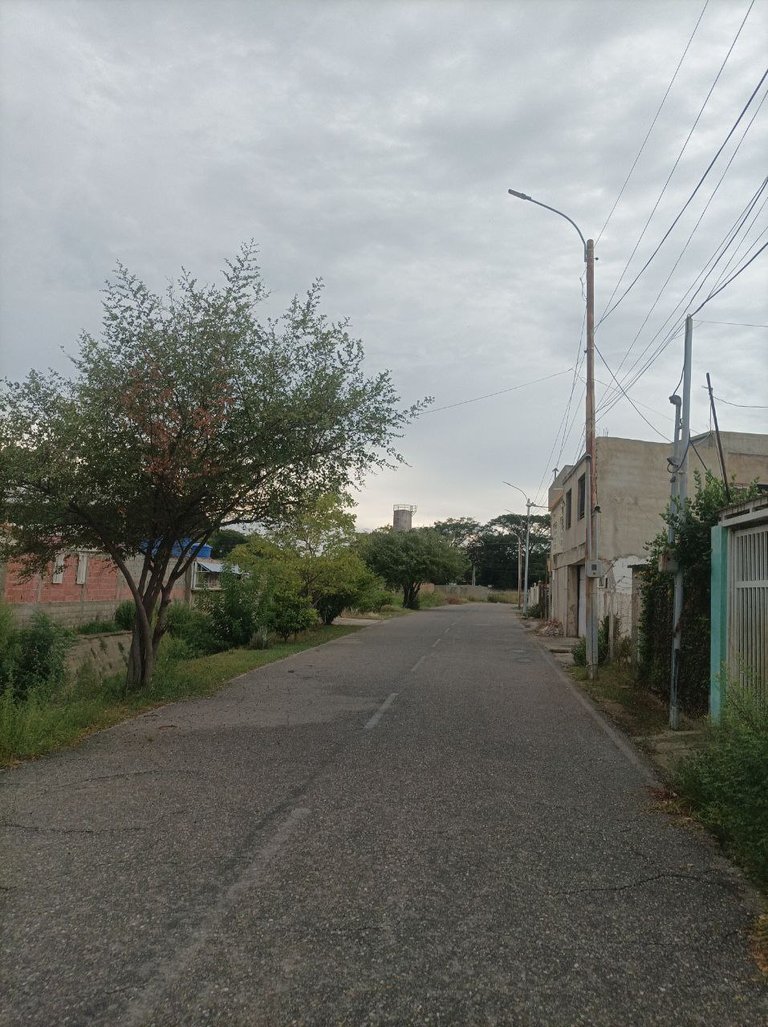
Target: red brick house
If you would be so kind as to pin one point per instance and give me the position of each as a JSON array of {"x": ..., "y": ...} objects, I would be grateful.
[{"x": 81, "y": 587}]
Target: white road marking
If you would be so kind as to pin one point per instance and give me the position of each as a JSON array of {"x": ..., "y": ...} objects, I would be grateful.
[
  {"x": 168, "y": 971},
  {"x": 381, "y": 710},
  {"x": 436, "y": 642},
  {"x": 420, "y": 659}
]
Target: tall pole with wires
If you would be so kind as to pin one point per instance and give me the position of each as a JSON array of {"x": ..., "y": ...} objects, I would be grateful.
[
  {"x": 681, "y": 494},
  {"x": 591, "y": 563},
  {"x": 591, "y": 554}
]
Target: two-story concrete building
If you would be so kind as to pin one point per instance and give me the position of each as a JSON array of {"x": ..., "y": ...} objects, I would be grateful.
[{"x": 633, "y": 483}]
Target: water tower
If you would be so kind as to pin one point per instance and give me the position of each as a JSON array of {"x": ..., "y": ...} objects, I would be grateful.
[{"x": 402, "y": 517}]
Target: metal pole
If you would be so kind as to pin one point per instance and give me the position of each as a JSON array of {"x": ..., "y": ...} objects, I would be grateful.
[
  {"x": 719, "y": 441},
  {"x": 591, "y": 605},
  {"x": 527, "y": 546},
  {"x": 519, "y": 569},
  {"x": 682, "y": 495}
]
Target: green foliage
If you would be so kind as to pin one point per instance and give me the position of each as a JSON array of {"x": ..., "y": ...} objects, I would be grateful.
[
  {"x": 725, "y": 781},
  {"x": 97, "y": 627},
  {"x": 223, "y": 541},
  {"x": 185, "y": 416},
  {"x": 9, "y": 644},
  {"x": 579, "y": 651},
  {"x": 311, "y": 553},
  {"x": 39, "y": 661},
  {"x": 691, "y": 547},
  {"x": 125, "y": 615},
  {"x": 236, "y": 611},
  {"x": 194, "y": 628},
  {"x": 406, "y": 559},
  {"x": 502, "y": 597},
  {"x": 292, "y": 613}
]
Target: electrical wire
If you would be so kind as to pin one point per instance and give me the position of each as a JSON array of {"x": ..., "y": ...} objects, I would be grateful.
[
  {"x": 731, "y": 279},
  {"x": 692, "y": 233},
  {"x": 738, "y": 324},
  {"x": 564, "y": 419},
  {"x": 628, "y": 397},
  {"x": 687, "y": 203},
  {"x": 694, "y": 289},
  {"x": 490, "y": 395},
  {"x": 653, "y": 122}
]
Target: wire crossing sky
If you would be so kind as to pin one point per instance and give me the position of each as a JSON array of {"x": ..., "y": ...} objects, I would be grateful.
[{"x": 372, "y": 144}]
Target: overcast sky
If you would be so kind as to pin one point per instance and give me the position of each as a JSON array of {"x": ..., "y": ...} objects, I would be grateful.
[{"x": 372, "y": 144}]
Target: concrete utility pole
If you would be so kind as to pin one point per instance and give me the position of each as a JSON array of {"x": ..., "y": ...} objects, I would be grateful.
[
  {"x": 592, "y": 566},
  {"x": 528, "y": 504},
  {"x": 592, "y": 555},
  {"x": 680, "y": 494}
]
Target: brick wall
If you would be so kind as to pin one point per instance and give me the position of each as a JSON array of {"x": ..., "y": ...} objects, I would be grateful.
[{"x": 80, "y": 588}]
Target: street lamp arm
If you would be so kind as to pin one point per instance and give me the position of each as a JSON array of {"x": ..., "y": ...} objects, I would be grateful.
[
  {"x": 509, "y": 483},
  {"x": 524, "y": 196}
]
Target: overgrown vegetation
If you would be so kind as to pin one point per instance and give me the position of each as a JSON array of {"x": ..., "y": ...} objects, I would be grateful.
[
  {"x": 32, "y": 658},
  {"x": 691, "y": 549},
  {"x": 726, "y": 781}
]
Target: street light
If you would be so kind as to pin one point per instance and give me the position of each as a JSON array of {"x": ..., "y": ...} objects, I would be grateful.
[
  {"x": 528, "y": 505},
  {"x": 591, "y": 555}
]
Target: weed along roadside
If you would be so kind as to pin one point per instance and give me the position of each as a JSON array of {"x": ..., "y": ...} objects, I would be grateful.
[{"x": 714, "y": 775}]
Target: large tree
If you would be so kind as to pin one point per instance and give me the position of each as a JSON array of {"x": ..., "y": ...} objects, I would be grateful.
[
  {"x": 406, "y": 559},
  {"x": 186, "y": 415}
]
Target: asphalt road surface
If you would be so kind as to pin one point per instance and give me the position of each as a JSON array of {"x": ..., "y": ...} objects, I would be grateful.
[{"x": 420, "y": 823}]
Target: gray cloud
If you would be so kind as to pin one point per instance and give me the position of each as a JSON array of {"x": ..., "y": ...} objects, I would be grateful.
[{"x": 372, "y": 144}]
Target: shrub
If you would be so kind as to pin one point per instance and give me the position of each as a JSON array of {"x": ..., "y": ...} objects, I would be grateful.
[
  {"x": 96, "y": 627},
  {"x": 237, "y": 610},
  {"x": 292, "y": 613},
  {"x": 726, "y": 781},
  {"x": 9, "y": 642},
  {"x": 40, "y": 656},
  {"x": 125, "y": 615},
  {"x": 192, "y": 627}
]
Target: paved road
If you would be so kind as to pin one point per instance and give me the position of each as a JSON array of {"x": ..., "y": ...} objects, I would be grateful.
[{"x": 421, "y": 823}]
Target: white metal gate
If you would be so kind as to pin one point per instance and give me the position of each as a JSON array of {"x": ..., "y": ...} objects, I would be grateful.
[{"x": 748, "y": 608}]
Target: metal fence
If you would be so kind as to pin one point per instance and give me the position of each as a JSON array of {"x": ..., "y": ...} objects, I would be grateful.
[{"x": 748, "y": 608}]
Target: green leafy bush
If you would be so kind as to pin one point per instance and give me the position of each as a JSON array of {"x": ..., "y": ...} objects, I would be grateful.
[
  {"x": 726, "y": 782},
  {"x": 125, "y": 615},
  {"x": 38, "y": 656},
  {"x": 691, "y": 548},
  {"x": 96, "y": 627},
  {"x": 292, "y": 613},
  {"x": 194, "y": 628},
  {"x": 238, "y": 609}
]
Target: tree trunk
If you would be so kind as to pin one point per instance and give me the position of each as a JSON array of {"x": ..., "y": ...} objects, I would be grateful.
[{"x": 141, "y": 659}]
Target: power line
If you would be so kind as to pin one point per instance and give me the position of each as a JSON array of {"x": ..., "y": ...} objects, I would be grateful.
[
  {"x": 687, "y": 203},
  {"x": 564, "y": 419},
  {"x": 738, "y": 324},
  {"x": 731, "y": 279},
  {"x": 693, "y": 232},
  {"x": 653, "y": 123},
  {"x": 501, "y": 392},
  {"x": 628, "y": 397},
  {"x": 694, "y": 289}
]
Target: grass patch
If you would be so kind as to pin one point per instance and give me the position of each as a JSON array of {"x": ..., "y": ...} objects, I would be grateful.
[
  {"x": 725, "y": 783},
  {"x": 615, "y": 690},
  {"x": 502, "y": 597},
  {"x": 46, "y": 720}
]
